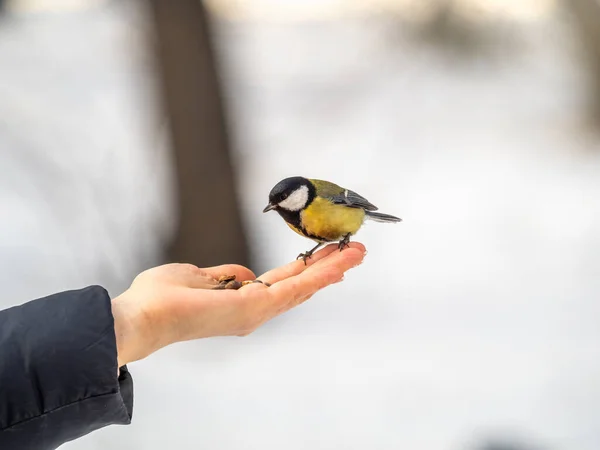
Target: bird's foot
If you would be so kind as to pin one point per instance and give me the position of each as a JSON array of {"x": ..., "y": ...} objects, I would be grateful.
[
  {"x": 304, "y": 256},
  {"x": 344, "y": 242}
]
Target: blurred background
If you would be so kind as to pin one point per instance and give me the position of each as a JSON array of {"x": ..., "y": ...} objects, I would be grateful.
[{"x": 134, "y": 133}]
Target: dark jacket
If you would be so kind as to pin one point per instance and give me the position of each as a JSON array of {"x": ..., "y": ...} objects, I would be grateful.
[{"x": 58, "y": 371}]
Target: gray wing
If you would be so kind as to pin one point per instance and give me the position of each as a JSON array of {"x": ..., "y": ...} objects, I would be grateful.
[{"x": 352, "y": 199}]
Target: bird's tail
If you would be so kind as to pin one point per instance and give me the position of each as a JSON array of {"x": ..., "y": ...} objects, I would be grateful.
[{"x": 380, "y": 217}]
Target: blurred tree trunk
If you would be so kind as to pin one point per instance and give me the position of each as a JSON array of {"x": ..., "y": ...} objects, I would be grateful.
[
  {"x": 210, "y": 228},
  {"x": 587, "y": 16}
]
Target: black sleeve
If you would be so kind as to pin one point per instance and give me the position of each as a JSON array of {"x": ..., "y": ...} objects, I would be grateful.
[{"x": 58, "y": 370}]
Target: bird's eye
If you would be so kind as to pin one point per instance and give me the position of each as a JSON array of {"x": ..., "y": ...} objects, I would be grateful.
[{"x": 284, "y": 196}]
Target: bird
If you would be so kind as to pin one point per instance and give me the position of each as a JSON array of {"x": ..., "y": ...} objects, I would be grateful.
[{"x": 322, "y": 211}]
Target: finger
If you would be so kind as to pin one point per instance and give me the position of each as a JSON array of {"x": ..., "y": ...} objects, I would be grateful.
[
  {"x": 263, "y": 303},
  {"x": 296, "y": 267},
  {"x": 241, "y": 273},
  {"x": 297, "y": 289}
]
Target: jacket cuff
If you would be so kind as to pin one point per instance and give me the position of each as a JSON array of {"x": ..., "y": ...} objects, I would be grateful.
[{"x": 126, "y": 391}]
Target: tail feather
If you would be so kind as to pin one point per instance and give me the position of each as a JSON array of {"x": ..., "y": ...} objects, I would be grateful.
[{"x": 380, "y": 217}]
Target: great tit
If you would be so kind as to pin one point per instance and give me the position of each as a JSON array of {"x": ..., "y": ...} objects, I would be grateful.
[{"x": 322, "y": 211}]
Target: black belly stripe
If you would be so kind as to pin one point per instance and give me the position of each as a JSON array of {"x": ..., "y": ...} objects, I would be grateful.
[
  {"x": 293, "y": 218},
  {"x": 313, "y": 237},
  {"x": 310, "y": 236}
]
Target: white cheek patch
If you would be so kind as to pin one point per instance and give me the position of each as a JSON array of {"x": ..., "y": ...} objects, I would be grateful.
[{"x": 297, "y": 199}]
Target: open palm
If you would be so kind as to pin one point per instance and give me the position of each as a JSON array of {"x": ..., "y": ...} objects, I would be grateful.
[{"x": 177, "y": 302}]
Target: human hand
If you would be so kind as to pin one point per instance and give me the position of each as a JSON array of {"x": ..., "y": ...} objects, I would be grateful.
[{"x": 176, "y": 302}]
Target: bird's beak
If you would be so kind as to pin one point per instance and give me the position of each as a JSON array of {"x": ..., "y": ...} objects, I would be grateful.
[{"x": 269, "y": 207}]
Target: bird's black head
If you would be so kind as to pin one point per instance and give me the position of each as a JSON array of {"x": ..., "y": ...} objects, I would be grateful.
[{"x": 291, "y": 195}]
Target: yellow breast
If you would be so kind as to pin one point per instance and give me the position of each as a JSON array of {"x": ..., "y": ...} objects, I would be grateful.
[{"x": 331, "y": 222}]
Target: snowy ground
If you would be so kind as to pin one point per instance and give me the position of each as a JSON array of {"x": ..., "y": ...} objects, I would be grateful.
[{"x": 486, "y": 320}]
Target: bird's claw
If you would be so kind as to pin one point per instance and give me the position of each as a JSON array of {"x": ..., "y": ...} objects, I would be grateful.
[
  {"x": 304, "y": 256},
  {"x": 344, "y": 242}
]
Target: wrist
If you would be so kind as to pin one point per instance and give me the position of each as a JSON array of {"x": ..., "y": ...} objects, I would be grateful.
[{"x": 130, "y": 330}]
